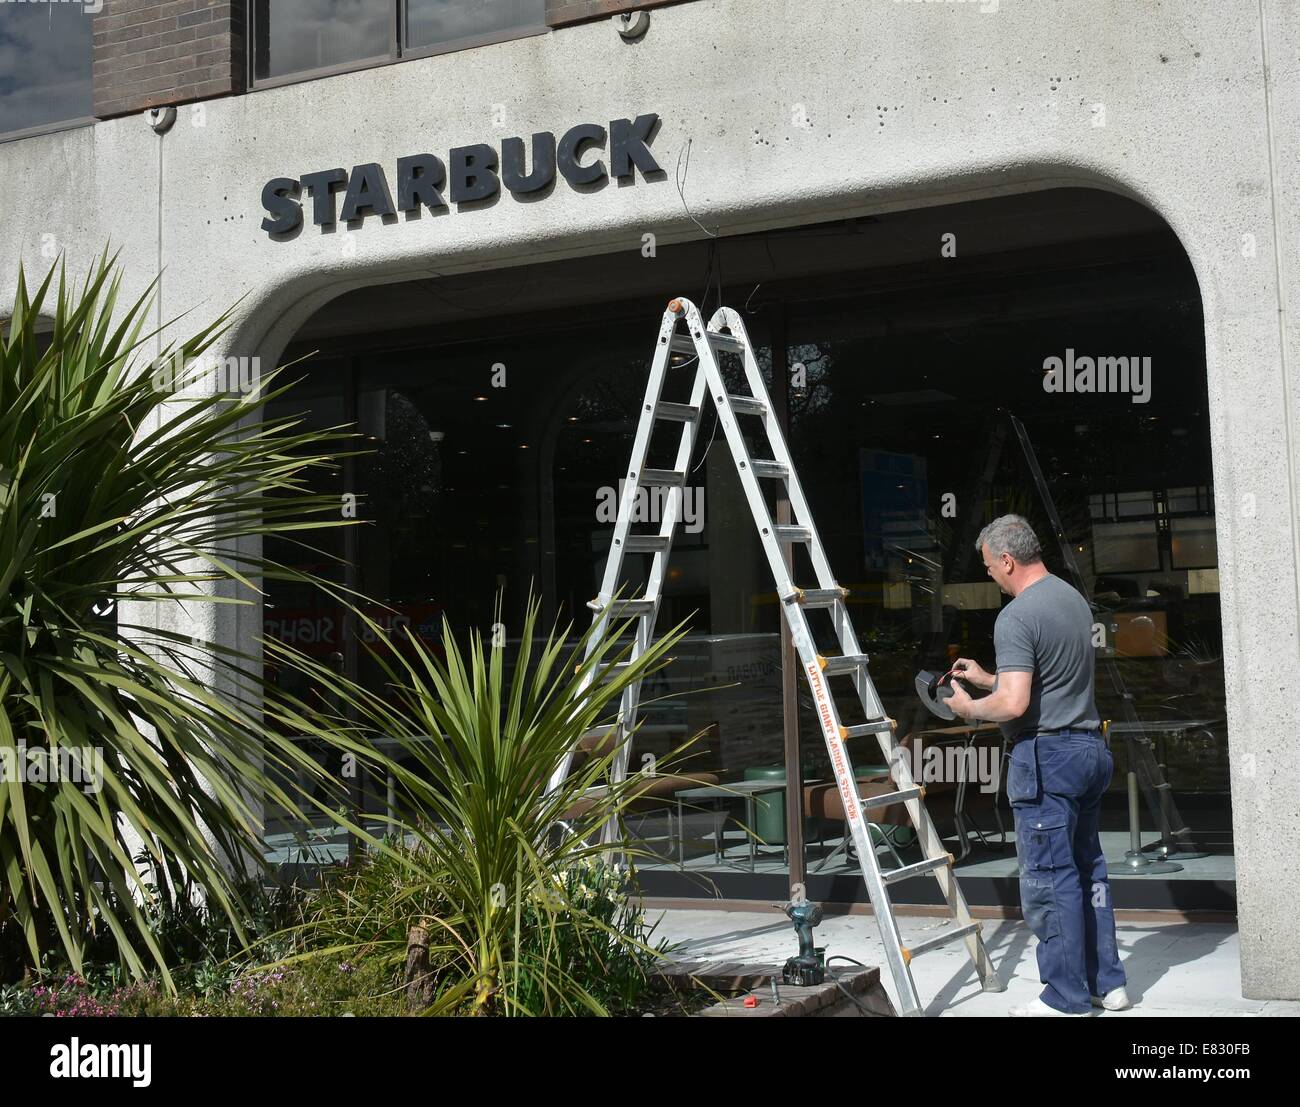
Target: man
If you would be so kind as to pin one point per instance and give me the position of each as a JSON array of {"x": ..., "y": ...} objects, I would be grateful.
[{"x": 1042, "y": 695}]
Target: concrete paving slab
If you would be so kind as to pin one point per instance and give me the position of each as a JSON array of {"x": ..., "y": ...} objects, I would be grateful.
[{"x": 1174, "y": 968}]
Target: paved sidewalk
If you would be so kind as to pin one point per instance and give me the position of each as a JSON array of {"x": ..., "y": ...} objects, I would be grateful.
[{"x": 1173, "y": 968}]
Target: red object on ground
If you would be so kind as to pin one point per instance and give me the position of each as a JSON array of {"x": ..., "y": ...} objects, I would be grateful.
[{"x": 751, "y": 1001}]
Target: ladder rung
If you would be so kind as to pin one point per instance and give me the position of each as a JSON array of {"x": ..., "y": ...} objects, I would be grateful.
[
  {"x": 939, "y": 940},
  {"x": 747, "y": 405},
  {"x": 908, "y": 871},
  {"x": 626, "y": 609},
  {"x": 849, "y": 663},
  {"x": 876, "y": 726},
  {"x": 724, "y": 343},
  {"x": 773, "y": 469},
  {"x": 647, "y": 543},
  {"x": 727, "y": 342},
  {"x": 890, "y": 798},
  {"x": 817, "y": 597},
  {"x": 681, "y": 413},
  {"x": 792, "y": 534},
  {"x": 672, "y": 478}
]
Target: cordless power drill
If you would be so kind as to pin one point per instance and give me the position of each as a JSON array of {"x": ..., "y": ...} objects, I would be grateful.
[{"x": 807, "y": 968}]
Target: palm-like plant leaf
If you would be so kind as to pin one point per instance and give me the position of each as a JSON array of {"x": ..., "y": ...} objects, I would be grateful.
[
  {"x": 114, "y": 489},
  {"x": 487, "y": 830}
]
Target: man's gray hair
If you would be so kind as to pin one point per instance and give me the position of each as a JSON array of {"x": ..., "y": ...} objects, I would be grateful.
[{"x": 1011, "y": 534}]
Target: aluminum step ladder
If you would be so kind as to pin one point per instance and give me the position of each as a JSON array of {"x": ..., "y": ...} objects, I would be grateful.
[{"x": 725, "y": 333}]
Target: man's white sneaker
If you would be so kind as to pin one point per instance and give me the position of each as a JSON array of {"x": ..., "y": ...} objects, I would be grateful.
[
  {"x": 1036, "y": 1008},
  {"x": 1114, "y": 1000}
]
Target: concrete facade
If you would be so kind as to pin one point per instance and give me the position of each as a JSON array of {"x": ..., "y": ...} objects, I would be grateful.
[{"x": 795, "y": 112}]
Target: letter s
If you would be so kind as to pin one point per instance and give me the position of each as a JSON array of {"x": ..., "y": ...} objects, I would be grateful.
[{"x": 280, "y": 198}]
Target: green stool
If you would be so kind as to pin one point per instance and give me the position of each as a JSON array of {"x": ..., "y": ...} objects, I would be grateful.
[{"x": 769, "y": 807}]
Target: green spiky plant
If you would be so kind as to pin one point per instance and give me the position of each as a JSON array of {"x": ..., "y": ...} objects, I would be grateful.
[
  {"x": 499, "y": 865},
  {"x": 113, "y": 489}
]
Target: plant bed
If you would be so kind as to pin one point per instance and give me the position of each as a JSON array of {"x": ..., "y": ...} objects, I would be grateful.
[{"x": 854, "y": 991}]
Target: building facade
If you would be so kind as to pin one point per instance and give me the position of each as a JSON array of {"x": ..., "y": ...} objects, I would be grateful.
[{"x": 467, "y": 217}]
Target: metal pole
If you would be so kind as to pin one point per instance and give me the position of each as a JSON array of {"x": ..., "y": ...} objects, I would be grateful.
[
  {"x": 352, "y": 580},
  {"x": 1135, "y": 861},
  {"x": 794, "y": 843}
]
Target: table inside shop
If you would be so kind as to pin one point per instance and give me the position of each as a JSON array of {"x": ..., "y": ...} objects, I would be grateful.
[
  {"x": 1174, "y": 728},
  {"x": 1137, "y": 732},
  {"x": 747, "y": 790}
]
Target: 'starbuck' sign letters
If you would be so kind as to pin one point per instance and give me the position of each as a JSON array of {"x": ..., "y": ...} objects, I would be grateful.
[{"x": 471, "y": 173}]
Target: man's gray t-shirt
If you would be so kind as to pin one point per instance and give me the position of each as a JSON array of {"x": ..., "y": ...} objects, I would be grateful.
[{"x": 1047, "y": 631}]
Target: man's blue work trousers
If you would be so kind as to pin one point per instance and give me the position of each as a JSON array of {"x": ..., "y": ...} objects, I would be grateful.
[{"x": 1055, "y": 783}]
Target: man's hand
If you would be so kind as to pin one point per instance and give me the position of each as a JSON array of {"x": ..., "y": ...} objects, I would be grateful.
[
  {"x": 970, "y": 670},
  {"x": 960, "y": 701},
  {"x": 1010, "y": 701}
]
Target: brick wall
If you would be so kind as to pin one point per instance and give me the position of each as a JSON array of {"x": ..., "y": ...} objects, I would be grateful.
[
  {"x": 560, "y": 13},
  {"x": 148, "y": 53}
]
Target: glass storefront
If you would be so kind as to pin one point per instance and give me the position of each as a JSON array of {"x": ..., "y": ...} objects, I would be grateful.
[{"x": 918, "y": 395}]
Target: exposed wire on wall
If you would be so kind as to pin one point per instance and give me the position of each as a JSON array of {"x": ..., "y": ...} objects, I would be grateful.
[
  {"x": 712, "y": 263},
  {"x": 683, "y": 168}
]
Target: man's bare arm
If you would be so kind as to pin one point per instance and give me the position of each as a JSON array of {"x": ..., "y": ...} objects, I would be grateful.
[{"x": 1008, "y": 700}]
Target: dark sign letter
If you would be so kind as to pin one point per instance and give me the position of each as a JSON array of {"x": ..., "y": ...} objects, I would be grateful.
[
  {"x": 321, "y": 187},
  {"x": 473, "y": 173},
  {"x": 575, "y": 138},
  {"x": 280, "y": 198},
  {"x": 419, "y": 178},
  {"x": 629, "y": 145},
  {"x": 512, "y": 163},
  {"x": 367, "y": 192}
]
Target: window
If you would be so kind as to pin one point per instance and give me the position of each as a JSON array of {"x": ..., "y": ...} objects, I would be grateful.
[
  {"x": 302, "y": 36},
  {"x": 442, "y": 24},
  {"x": 294, "y": 39},
  {"x": 44, "y": 67}
]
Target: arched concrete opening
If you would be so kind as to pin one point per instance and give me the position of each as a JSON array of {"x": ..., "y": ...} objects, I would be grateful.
[{"x": 500, "y": 405}]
